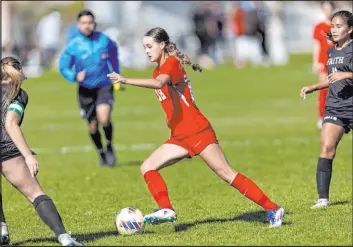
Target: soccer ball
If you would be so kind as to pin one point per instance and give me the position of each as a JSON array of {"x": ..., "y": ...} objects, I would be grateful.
[{"x": 129, "y": 221}]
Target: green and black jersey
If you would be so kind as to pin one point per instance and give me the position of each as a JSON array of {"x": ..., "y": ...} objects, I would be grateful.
[{"x": 18, "y": 105}]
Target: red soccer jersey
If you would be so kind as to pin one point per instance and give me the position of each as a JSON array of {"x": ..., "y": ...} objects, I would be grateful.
[
  {"x": 320, "y": 31},
  {"x": 183, "y": 116}
]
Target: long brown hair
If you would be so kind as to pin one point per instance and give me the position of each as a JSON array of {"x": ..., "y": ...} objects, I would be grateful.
[
  {"x": 11, "y": 71},
  {"x": 347, "y": 17},
  {"x": 160, "y": 35}
]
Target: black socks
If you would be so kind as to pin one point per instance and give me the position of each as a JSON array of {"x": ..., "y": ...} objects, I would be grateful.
[
  {"x": 323, "y": 177},
  {"x": 49, "y": 214}
]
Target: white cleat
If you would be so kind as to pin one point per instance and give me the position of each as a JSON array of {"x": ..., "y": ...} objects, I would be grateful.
[
  {"x": 4, "y": 234},
  {"x": 321, "y": 203},
  {"x": 163, "y": 215},
  {"x": 275, "y": 217},
  {"x": 66, "y": 240}
]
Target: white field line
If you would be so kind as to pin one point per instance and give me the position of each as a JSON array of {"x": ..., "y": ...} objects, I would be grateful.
[
  {"x": 152, "y": 146},
  {"x": 156, "y": 124}
]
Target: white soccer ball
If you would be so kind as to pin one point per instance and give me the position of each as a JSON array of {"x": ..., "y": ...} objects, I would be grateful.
[{"x": 129, "y": 221}]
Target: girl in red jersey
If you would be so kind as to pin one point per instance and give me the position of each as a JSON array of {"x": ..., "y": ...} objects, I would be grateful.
[
  {"x": 321, "y": 45},
  {"x": 191, "y": 132}
]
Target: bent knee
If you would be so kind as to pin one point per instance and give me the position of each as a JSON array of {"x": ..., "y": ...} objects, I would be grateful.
[
  {"x": 103, "y": 114},
  {"x": 328, "y": 150},
  {"x": 104, "y": 121}
]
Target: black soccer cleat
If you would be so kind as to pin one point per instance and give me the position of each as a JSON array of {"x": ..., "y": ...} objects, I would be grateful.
[
  {"x": 110, "y": 156},
  {"x": 102, "y": 159}
]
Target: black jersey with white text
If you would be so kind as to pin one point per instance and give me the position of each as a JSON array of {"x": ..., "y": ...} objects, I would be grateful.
[{"x": 340, "y": 97}]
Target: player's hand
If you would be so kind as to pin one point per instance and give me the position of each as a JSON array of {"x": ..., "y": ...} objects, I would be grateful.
[
  {"x": 317, "y": 67},
  {"x": 81, "y": 76},
  {"x": 332, "y": 78},
  {"x": 33, "y": 164},
  {"x": 116, "y": 78},
  {"x": 306, "y": 90}
]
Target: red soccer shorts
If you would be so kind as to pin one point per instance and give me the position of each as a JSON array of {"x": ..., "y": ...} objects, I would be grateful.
[{"x": 195, "y": 143}]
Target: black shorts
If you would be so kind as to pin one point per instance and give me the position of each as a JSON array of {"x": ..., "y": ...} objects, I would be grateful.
[
  {"x": 11, "y": 154},
  {"x": 90, "y": 98},
  {"x": 345, "y": 123}
]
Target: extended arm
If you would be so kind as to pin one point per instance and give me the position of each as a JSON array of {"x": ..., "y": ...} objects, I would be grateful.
[{"x": 157, "y": 83}]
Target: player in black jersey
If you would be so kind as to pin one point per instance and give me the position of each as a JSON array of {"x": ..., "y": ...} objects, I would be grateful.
[
  {"x": 18, "y": 163},
  {"x": 338, "y": 117}
]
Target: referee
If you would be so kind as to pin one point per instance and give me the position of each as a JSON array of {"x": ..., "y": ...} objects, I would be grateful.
[{"x": 88, "y": 57}]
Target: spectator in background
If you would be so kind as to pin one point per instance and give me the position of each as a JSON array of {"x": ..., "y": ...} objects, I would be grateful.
[
  {"x": 237, "y": 24},
  {"x": 71, "y": 32},
  {"x": 276, "y": 42},
  {"x": 261, "y": 29},
  {"x": 214, "y": 26},
  {"x": 246, "y": 23},
  {"x": 205, "y": 29},
  {"x": 48, "y": 33},
  {"x": 200, "y": 29}
]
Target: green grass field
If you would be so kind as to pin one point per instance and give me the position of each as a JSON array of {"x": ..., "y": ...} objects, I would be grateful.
[{"x": 266, "y": 130}]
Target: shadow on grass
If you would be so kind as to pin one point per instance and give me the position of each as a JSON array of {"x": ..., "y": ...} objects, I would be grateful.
[
  {"x": 257, "y": 216},
  {"x": 339, "y": 203},
  {"x": 86, "y": 237},
  {"x": 126, "y": 163},
  {"x": 131, "y": 163}
]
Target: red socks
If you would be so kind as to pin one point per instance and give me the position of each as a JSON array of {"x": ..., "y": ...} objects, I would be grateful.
[
  {"x": 158, "y": 188},
  {"x": 249, "y": 189}
]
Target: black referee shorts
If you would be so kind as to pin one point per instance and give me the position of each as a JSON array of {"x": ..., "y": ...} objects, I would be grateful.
[{"x": 90, "y": 98}]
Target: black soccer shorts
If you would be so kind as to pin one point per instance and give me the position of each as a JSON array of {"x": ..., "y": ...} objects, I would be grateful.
[{"x": 90, "y": 98}]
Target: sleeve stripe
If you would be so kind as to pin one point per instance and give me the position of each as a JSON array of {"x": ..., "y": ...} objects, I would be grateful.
[
  {"x": 15, "y": 110},
  {"x": 18, "y": 107},
  {"x": 18, "y": 103}
]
